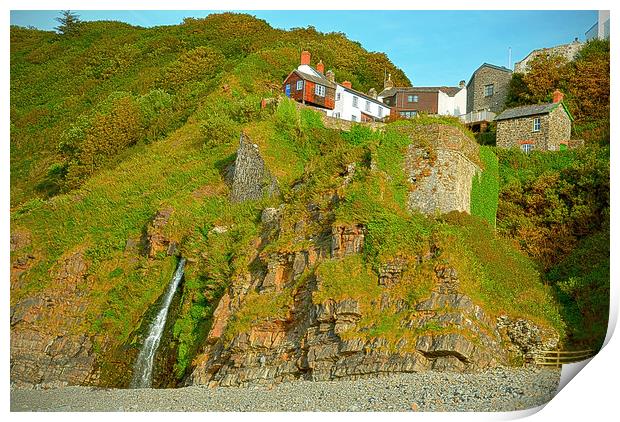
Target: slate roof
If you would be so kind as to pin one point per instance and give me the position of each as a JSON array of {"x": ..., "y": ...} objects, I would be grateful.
[
  {"x": 365, "y": 96},
  {"x": 321, "y": 80},
  {"x": 449, "y": 90},
  {"x": 530, "y": 110},
  {"x": 492, "y": 66}
]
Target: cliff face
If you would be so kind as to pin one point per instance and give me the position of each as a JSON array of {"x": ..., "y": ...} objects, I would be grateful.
[
  {"x": 47, "y": 346},
  {"x": 320, "y": 340},
  {"x": 284, "y": 320},
  {"x": 336, "y": 280}
]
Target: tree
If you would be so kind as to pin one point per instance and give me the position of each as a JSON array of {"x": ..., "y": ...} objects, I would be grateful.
[
  {"x": 545, "y": 74},
  {"x": 69, "y": 23}
]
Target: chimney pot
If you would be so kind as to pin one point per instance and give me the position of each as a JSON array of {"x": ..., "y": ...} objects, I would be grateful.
[
  {"x": 346, "y": 84},
  {"x": 305, "y": 57},
  {"x": 557, "y": 96},
  {"x": 462, "y": 84},
  {"x": 320, "y": 67}
]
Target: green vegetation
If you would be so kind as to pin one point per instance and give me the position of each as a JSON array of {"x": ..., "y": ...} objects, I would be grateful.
[
  {"x": 485, "y": 187},
  {"x": 554, "y": 206},
  {"x": 582, "y": 281},
  {"x": 58, "y": 80},
  {"x": 551, "y": 200},
  {"x": 584, "y": 82},
  {"x": 113, "y": 123}
]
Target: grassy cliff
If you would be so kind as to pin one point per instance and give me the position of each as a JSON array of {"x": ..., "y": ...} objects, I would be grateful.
[{"x": 113, "y": 124}]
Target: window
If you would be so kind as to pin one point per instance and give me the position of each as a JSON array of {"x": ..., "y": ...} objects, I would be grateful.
[
  {"x": 380, "y": 111},
  {"x": 353, "y": 118},
  {"x": 300, "y": 85},
  {"x": 408, "y": 114},
  {"x": 526, "y": 148},
  {"x": 319, "y": 90},
  {"x": 488, "y": 90},
  {"x": 337, "y": 115},
  {"x": 338, "y": 96},
  {"x": 355, "y": 102},
  {"x": 412, "y": 98},
  {"x": 368, "y": 106},
  {"x": 536, "y": 124}
]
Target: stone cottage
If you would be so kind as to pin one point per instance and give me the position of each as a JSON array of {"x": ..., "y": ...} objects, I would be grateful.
[
  {"x": 545, "y": 127},
  {"x": 487, "y": 88}
]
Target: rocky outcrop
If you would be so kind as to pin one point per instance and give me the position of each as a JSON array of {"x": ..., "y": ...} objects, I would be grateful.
[
  {"x": 347, "y": 240},
  {"x": 527, "y": 338},
  {"x": 156, "y": 241},
  {"x": 322, "y": 340},
  {"x": 391, "y": 272},
  {"x": 251, "y": 178},
  {"x": 48, "y": 348}
]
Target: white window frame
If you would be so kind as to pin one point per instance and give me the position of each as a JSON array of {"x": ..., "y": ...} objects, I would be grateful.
[
  {"x": 355, "y": 102},
  {"x": 527, "y": 148},
  {"x": 338, "y": 96},
  {"x": 368, "y": 106},
  {"x": 353, "y": 118},
  {"x": 380, "y": 113},
  {"x": 300, "y": 85},
  {"x": 536, "y": 124},
  {"x": 319, "y": 90},
  {"x": 486, "y": 90}
]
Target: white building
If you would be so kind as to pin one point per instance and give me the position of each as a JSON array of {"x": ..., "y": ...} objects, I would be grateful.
[
  {"x": 452, "y": 101},
  {"x": 356, "y": 106}
]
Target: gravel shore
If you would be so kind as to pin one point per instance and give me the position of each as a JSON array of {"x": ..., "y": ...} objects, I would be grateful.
[{"x": 497, "y": 390}]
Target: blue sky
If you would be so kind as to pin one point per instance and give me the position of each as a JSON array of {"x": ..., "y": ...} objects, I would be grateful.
[{"x": 432, "y": 47}]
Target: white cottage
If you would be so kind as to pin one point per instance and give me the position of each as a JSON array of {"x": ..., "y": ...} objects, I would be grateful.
[{"x": 356, "y": 106}]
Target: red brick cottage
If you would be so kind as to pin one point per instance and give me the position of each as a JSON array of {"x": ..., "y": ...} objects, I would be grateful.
[{"x": 309, "y": 85}]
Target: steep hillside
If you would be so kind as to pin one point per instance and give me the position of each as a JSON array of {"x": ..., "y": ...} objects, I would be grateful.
[{"x": 77, "y": 101}]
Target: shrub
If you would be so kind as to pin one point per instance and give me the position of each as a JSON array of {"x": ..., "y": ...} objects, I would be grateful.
[
  {"x": 218, "y": 129},
  {"x": 195, "y": 65}
]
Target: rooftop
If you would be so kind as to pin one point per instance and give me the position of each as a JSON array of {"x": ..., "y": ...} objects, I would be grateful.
[
  {"x": 530, "y": 110},
  {"x": 449, "y": 90}
]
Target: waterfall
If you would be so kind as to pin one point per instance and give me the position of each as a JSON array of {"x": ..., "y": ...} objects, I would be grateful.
[{"x": 143, "y": 368}]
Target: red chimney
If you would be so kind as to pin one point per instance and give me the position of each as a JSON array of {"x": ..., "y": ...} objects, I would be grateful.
[
  {"x": 557, "y": 96},
  {"x": 320, "y": 66},
  {"x": 305, "y": 57},
  {"x": 346, "y": 84}
]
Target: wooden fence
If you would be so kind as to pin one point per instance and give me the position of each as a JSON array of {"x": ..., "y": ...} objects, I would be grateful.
[{"x": 557, "y": 358}]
